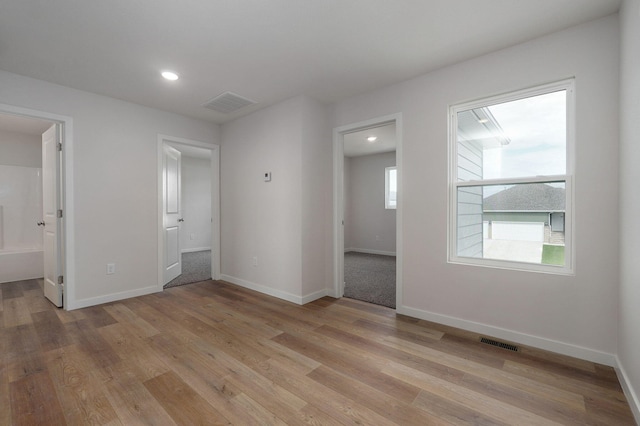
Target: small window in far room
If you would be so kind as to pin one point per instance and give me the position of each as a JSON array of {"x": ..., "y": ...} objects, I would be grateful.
[{"x": 390, "y": 187}]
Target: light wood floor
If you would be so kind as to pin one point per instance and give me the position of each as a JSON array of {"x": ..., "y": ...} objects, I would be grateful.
[{"x": 213, "y": 353}]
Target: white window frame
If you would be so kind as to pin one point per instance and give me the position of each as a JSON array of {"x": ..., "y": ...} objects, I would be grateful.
[
  {"x": 387, "y": 192},
  {"x": 454, "y": 185}
]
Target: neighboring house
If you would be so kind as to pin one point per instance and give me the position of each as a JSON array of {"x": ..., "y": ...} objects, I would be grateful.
[{"x": 532, "y": 212}]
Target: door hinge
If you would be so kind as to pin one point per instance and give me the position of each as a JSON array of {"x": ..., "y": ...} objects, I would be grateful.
[
  {"x": 60, "y": 213},
  {"x": 60, "y": 279},
  {"x": 59, "y": 146}
]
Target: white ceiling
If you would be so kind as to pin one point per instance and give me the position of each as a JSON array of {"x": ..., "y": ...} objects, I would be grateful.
[
  {"x": 25, "y": 125},
  {"x": 356, "y": 143},
  {"x": 266, "y": 51}
]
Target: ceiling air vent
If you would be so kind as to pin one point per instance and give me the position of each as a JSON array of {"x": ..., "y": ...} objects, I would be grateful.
[
  {"x": 499, "y": 344},
  {"x": 228, "y": 102}
]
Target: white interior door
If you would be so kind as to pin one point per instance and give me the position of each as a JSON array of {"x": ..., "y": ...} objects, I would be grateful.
[
  {"x": 52, "y": 224},
  {"x": 171, "y": 171}
]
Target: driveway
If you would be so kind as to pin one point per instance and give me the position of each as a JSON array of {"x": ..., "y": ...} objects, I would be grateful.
[{"x": 520, "y": 251}]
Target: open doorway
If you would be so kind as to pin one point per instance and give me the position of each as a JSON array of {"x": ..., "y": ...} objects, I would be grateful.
[
  {"x": 188, "y": 211},
  {"x": 370, "y": 198},
  {"x": 32, "y": 205},
  {"x": 367, "y": 219}
]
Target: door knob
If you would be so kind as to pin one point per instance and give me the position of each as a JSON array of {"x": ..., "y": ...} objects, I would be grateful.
[
  {"x": 181, "y": 220},
  {"x": 40, "y": 223}
]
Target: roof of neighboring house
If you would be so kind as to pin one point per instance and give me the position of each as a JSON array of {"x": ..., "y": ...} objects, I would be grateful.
[{"x": 527, "y": 197}]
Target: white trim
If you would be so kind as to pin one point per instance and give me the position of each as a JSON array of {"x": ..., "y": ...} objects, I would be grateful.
[
  {"x": 215, "y": 203},
  {"x": 368, "y": 251},
  {"x": 338, "y": 199},
  {"x": 93, "y": 301},
  {"x": 270, "y": 291},
  {"x": 570, "y": 252},
  {"x": 67, "y": 204},
  {"x": 196, "y": 249},
  {"x": 629, "y": 392},
  {"x": 512, "y": 336},
  {"x": 313, "y": 296},
  {"x": 513, "y": 181}
]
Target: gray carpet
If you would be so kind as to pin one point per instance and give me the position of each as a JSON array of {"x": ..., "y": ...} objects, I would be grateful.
[
  {"x": 370, "y": 278},
  {"x": 196, "y": 267}
]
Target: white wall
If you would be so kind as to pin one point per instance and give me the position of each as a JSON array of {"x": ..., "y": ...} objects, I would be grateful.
[
  {"x": 629, "y": 318},
  {"x": 569, "y": 314},
  {"x": 20, "y": 149},
  {"x": 196, "y": 204},
  {"x": 372, "y": 227},
  {"x": 262, "y": 219},
  {"x": 280, "y": 222},
  {"x": 114, "y": 187},
  {"x": 316, "y": 191}
]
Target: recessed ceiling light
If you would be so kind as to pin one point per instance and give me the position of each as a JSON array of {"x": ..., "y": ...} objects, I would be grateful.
[
  {"x": 170, "y": 75},
  {"x": 372, "y": 138},
  {"x": 483, "y": 120}
]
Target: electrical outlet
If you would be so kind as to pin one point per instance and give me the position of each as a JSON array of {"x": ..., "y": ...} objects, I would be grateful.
[
  {"x": 111, "y": 268},
  {"x": 254, "y": 261}
]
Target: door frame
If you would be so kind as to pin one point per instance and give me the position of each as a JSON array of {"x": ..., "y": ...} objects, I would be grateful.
[
  {"x": 64, "y": 125},
  {"x": 215, "y": 202},
  {"x": 338, "y": 199}
]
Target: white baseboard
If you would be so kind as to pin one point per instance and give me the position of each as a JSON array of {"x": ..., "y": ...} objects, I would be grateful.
[
  {"x": 314, "y": 296},
  {"x": 92, "y": 301},
  {"x": 192, "y": 250},
  {"x": 513, "y": 336},
  {"x": 368, "y": 251},
  {"x": 299, "y": 300},
  {"x": 629, "y": 392}
]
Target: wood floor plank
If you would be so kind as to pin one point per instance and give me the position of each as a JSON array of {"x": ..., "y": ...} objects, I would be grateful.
[
  {"x": 26, "y": 365},
  {"x": 133, "y": 351},
  {"x": 20, "y": 341},
  {"x": 587, "y": 389},
  {"x": 5, "y": 401},
  {"x": 92, "y": 343},
  {"x": 50, "y": 330},
  {"x": 131, "y": 400},
  {"x": 11, "y": 290},
  {"x": 350, "y": 365},
  {"x": 337, "y": 406},
  {"x": 481, "y": 403},
  {"x": 207, "y": 379},
  {"x": 380, "y": 402},
  {"x": 15, "y": 312},
  {"x": 443, "y": 365},
  {"x": 213, "y": 351},
  {"x": 80, "y": 393},
  {"x": 265, "y": 392},
  {"x": 182, "y": 403},
  {"x": 124, "y": 315},
  {"x": 34, "y": 401},
  {"x": 36, "y": 302}
]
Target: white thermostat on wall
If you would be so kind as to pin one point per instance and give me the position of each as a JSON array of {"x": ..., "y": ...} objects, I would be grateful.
[{"x": 267, "y": 176}]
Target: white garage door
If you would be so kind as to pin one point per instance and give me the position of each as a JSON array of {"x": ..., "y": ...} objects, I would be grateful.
[{"x": 518, "y": 231}]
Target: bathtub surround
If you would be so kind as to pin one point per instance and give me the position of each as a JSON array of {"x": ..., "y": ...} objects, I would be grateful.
[
  {"x": 21, "y": 254},
  {"x": 21, "y": 202},
  {"x": 21, "y": 264}
]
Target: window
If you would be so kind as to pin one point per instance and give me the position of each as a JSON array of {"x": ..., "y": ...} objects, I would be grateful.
[
  {"x": 390, "y": 187},
  {"x": 510, "y": 180}
]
